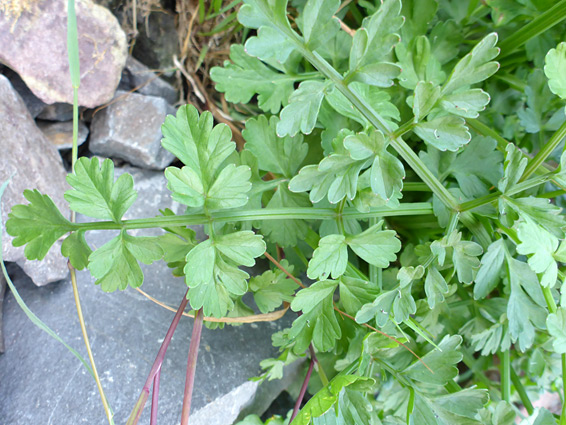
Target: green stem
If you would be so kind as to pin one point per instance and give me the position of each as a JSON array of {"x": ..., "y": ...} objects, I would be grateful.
[
  {"x": 545, "y": 151},
  {"x": 518, "y": 188},
  {"x": 537, "y": 26},
  {"x": 405, "y": 128},
  {"x": 375, "y": 119},
  {"x": 522, "y": 392},
  {"x": 306, "y": 213},
  {"x": 505, "y": 358}
]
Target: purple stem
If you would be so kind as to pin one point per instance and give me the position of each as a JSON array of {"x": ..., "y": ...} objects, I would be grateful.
[
  {"x": 303, "y": 388},
  {"x": 191, "y": 367},
  {"x": 155, "y": 398},
  {"x": 140, "y": 404}
]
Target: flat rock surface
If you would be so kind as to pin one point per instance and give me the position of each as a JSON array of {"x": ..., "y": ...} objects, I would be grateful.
[
  {"x": 60, "y": 134},
  {"x": 32, "y": 162},
  {"x": 33, "y": 42},
  {"x": 138, "y": 76},
  {"x": 130, "y": 129},
  {"x": 42, "y": 383}
]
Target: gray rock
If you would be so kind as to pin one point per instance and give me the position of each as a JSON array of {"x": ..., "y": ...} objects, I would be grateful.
[
  {"x": 60, "y": 134},
  {"x": 126, "y": 330},
  {"x": 34, "y": 105},
  {"x": 136, "y": 74},
  {"x": 130, "y": 129},
  {"x": 57, "y": 112},
  {"x": 157, "y": 41},
  {"x": 2, "y": 292},
  {"x": 32, "y": 162},
  {"x": 33, "y": 42}
]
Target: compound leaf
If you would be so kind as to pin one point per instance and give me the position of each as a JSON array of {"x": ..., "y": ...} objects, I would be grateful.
[
  {"x": 329, "y": 259},
  {"x": 38, "y": 224},
  {"x": 302, "y": 111},
  {"x": 444, "y": 133},
  {"x": 95, "y": 194},
  {"x": 554, "y": 66},
  {"x": 377, "y": 247}
]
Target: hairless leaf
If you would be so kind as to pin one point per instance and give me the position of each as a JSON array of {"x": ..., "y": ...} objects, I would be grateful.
[
  {"x": 555, "y": 64},
  {"x": 302, "y": 111}
]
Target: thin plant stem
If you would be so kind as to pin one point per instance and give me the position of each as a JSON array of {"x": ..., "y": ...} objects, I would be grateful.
[
  {"x": 319, "y": 369},
  {"x": 505, "y": 358},
  {"x": 283, "y": 269},
  {"x": 540, "y": 24},
  {"x": 522, "y": 392},
  {"x": 306, "y": 213},
  {"x": 303, "y": 390},
  {"x": 191, "y": 367},
  {"x": 155, "y": 398},
  {"x": 546, "y": 150},
  {"x": 140, "y": 404},
  {"x": 107, "y": 408}
]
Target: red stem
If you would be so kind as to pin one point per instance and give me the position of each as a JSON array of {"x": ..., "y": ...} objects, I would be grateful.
[
  {"x": 191, "y": 367},
  {"x": 155, "y": 398},
  {"x": 303, "y": 388},
  {"x": 140, "y": 404}
]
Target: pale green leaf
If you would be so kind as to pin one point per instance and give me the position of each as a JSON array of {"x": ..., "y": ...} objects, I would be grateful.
[
  {"x": 271, "y": 288},
  {"x": 95, "y": 194},
  {"x": 247, "y": 76},
  {"x": 490, "y": 269},
  {"x": 441, "y": 361},
  {"x": 76, "y": 249},
  {"x": 241, "y": 247},
  {"x": 229, "y": 188},
  {"x": 377, "y": 247},
  {"x": 540, "y": 246},
  {"x": 318, "y": 22},
  {"x": 556, "y": 325},
  {"x": 301, "y": 112},
  {"x": 435, "y": 287},
  {"x": 444, "y": 133},
  {"x": 554, "y": 68},
  {"x": 38, "y": 224},
  {"x": 466, "y": 103},
  {"x": 329, "y": 259},
  {"x": 426, "y": 96}
]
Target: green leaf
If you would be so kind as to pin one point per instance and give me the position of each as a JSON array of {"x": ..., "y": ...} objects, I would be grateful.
[
  {"x": 186, "y": 186},
  {"x": 541, "y": 211},
  {"x": 377, "y": 36},
  {"x": 230, "y": 188},
  {"x": 318, "y": 323},
  {"x": 426, "y": 96},
  {"x": 199, "y": 145},
  {"x": 241, "y": 247},
  {"x": 318, "y": 22},
  {"x": 212, "y": 272},
  {"x": 466, "y": 103},
  {"x": 444, "y": 133},
  {"x": 115, "y": 265},
  {"x": 418, "y": 15},
  {"x": 459, "y": 408},
  {"x": 354, "y": 293},
  {"x": 490, "y": 269},
  {"x": 475, "y": 67},
  {"x": 247, "y": 76},
  {"x": 329, "y": 259},
  {"x": 270, "y": 43},
  {"x": 76, "y": 249},
  {"x": 540, "y": 245},
  {"x": 277, "y": 155},
  {"x": 418, "y": 63},
  {"x": 286, "y": 233},
  {"x": 554, "y": 66},
  {"x": 380, "y": 309},
  {"x": 515, "y": 164},
  {"x": 377, "y": 247},
  {"x": 38, "y": 224},
  {"x": 556, "y": 325},
  {"x": 324, "y": 399},
  {"x": 301, "y": 112},
  {"x": 95, "y": 194},
  {"x": 465, "y": 260},
  {"x": 442, "y": 362},
  {"x": 435, "y": 287},
  {"x": 525, "y": 310},
  {"x": 403, "y": 305},
  {"x": 273, "y": 287}
]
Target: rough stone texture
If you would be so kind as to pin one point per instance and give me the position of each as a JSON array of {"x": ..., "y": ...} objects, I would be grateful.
[
  {"x": 33, "y": 103},
  {"x": 61, "y": 133},
  {"x": 57, "y": 112},
  {"x": 130, "y": 129},
  {"x": 34, "y": 44},
  {"x": 2, "y": 292},
  {"x": 136, "y": 74},
  {"x": 34, "y": 163},
  {"x": 125, "y": 330},
  {"x": 157, "y": 41}
]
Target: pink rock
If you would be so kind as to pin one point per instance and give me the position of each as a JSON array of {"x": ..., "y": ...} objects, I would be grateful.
[{"x": 34, "y": 44}]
